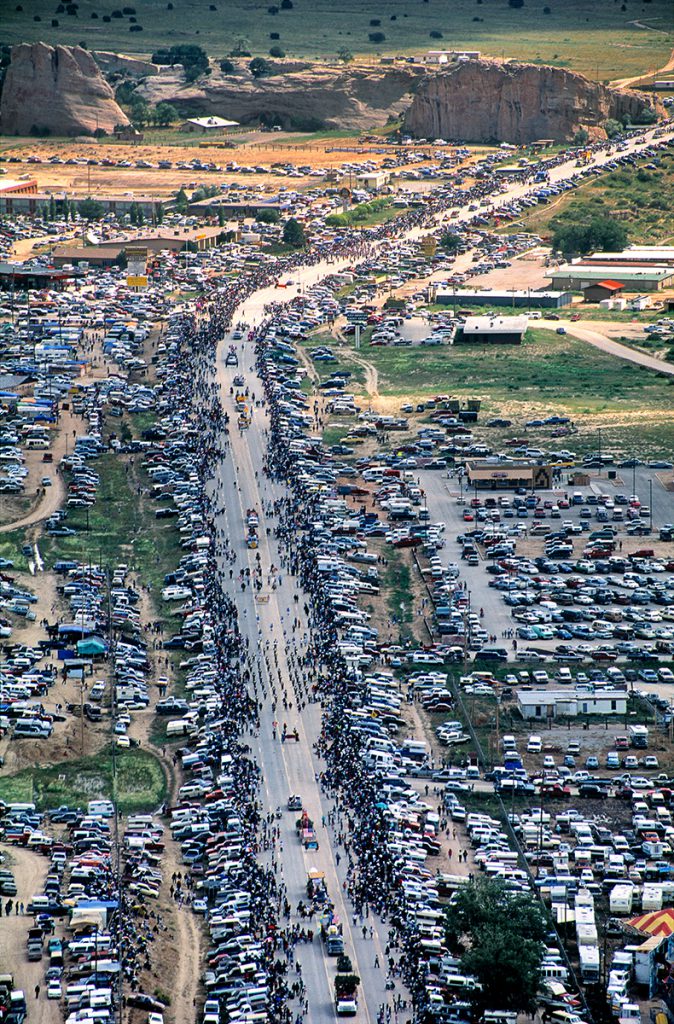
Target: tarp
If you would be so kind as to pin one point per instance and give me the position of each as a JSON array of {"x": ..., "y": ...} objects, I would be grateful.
[{"x": 657, "y": 922}]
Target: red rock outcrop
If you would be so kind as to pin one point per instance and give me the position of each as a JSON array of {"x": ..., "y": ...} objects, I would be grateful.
[
  {"x": 56, "y": 90},
  {"x": 488, "y": 101}
]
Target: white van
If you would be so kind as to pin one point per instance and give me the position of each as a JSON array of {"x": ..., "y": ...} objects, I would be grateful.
[{"x": 534, "y": 744}]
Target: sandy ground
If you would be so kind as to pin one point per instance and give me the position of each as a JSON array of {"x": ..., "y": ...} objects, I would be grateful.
[{"x": 264, "y": 151}]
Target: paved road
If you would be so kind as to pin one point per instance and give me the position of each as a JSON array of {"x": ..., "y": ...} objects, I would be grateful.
[
  {"x": 614, "y": 348},
  {"x": 290, "y": 767}
]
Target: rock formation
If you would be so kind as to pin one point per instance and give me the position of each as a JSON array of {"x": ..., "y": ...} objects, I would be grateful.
[
  {"x": 134, "y": 67},
  {"x": 56, "y": 90},
  {"x": 297, "y": 95},
  {"x": 486, "y": 101}
]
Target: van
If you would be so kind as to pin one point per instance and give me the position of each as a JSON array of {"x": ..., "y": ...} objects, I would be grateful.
[
  {"x": 101, "y": 808},
  {"x": 534, "y": 744}
]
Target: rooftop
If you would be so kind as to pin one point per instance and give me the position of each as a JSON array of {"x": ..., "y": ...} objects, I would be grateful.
[{"x": 495, "y": 324}]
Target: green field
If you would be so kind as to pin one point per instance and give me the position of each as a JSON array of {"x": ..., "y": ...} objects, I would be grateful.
[
  {"x": 558, "y": 371},
  {"x": 599, "y": 40},
  {"x": 640, "y": 194},
  {"x": 141, "y": 785},
  {"x": 547, "y": 374}
]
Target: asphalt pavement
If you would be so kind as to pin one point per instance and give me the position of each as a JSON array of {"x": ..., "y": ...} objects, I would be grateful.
[{"x": 290, "y": 767}]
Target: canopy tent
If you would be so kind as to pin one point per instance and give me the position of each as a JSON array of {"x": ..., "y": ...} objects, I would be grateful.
[{"x": 657, "y": 922}]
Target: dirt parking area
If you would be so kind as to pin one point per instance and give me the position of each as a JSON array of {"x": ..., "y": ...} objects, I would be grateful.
[{"x": 527, "y": 271}]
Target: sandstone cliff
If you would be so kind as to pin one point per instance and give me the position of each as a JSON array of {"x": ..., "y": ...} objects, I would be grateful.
[
  {"x": 300, "y": 95},
  {"x": 486, "y": 101},
  {"x": 59, "y": 90}
]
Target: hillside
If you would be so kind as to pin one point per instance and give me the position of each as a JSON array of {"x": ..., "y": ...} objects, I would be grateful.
[{"x": 595, "y": 39}]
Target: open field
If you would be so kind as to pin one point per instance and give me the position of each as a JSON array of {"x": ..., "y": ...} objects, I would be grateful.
[
  {"x": 141, "y": 785},
  {"x": 598, "y": 40},
  {"x": 641, "y": 193},
  {"x": 548, "y": 374}
]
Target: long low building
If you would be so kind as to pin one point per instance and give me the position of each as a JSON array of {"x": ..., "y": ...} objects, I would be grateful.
[
  {"x": 569, "y": 703},
  {"x": 492, "y": 330},
  {"x": 577, "y": 276},
  {"x": 515, "y": 299},
  {"x": 488, "y": 475}
]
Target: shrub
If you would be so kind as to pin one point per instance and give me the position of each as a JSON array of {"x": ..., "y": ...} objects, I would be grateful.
[
  {"x": 286, "y": 5},
  {"x": 227, "y": 66},
  {"x": 435, "y": 34},
  {"x": 259, "y": 67},
  {"x": 274, "y": 35},
  {"x": 376, "y": 37},
  {"x": 276, "y": 51},
  {"x": 375, "y": 22}
]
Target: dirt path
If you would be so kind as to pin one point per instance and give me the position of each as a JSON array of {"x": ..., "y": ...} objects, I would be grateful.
[
  {"x": 29, "y": 870},
  {"x": 614, "y": 348},
  {"x": 626, "y": 83},
  {"x": 371, "y": 374},
  {"x": 52, "y": 497}
]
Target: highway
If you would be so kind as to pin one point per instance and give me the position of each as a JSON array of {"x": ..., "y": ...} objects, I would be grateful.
[{"x": 290, "y": 767}]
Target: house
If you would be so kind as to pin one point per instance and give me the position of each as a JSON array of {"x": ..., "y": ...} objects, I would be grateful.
[
  {"x": 211, "y": 125},
  {"x": 602, "y": 290},
  {"x": 543, "y": 704},
  {"x": 492, "y": 330}
]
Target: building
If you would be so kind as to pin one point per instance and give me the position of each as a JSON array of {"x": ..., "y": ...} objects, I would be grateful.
[
  {"x": 515, "y": 299},
  {"x": 161, "y": 240},
  {"x": 492, "y": 330},
  {"x": 20, "y": 277},
  {"x": 602, "y": 290},
  {"x": 18, "y": 186},
  {"x": 235, "y": 207},
  {"x": 660, "y": 255},
  {"x": 212, "y": 125},
  {"x": 450, "y": 56},
  {"x": 488, "y": 475},
  {"x": 544, "y": 704},
  {"x": 577, "y": 276},
  {"x": 373, "y": 180}
]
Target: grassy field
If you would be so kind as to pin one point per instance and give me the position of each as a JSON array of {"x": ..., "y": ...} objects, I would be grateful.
[
  {"x": 558, "y": 371},
  {"x": 641, "y": 193},
  {"x": 141, "y": 785},
  {"x": 547, "y": 374},
  {"x": 600, "y": 40}
]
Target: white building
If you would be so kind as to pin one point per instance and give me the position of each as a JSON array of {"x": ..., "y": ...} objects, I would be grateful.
[{"x": 543, "y": 704}]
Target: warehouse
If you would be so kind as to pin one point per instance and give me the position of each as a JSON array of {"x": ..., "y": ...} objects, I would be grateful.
[
  {"x": 514, "y": 298},
  {"x": 492, "y": 330},
  {"x": 488, "y": 475},
  {"x": 602, "y": 290},
  {"x": 539, "y": 704},
  {"x": 577, "y": 276}
]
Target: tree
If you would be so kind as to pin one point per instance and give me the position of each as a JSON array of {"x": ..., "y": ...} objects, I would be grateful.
[
  {"x": 581, "y": 138},
  {"x": 598, "y": 232},
  {"x": 181, "y": 201},
  {"x": 612, "y": 128},
  {"x": 377, "y": 37},
  {"x": 259, "y": 67},
  {"x": 164, "y": 114},
  {"x": 140, "y": 111},
  {"x": 268, "y": 217},
  {"x": 90, "y": 209},
  {"x": 451, "y": 242},
  {"x": 193, "y": 59},
  {"x": 227, "y": 66},
  {"x": 293, "y": 234},
  {"x": 500, "y": 934},
  {"x": 345, "y": 55},
  {"x": 276, "y": 51}
]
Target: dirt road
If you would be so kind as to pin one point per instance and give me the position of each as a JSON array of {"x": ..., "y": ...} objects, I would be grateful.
[
  {"x": 628, "y": 83},
  {"x": 29, "y": 870},
  {"x": 614, "y": 348}
]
